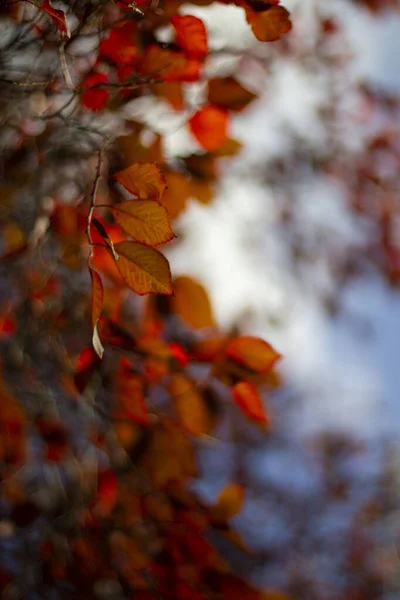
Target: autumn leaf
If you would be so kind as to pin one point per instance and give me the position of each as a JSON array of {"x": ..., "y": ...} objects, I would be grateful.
[
  {"x": 177, "y": 193},
  {"x": 131, "y": 402},
  {"x": 143, "y": 268},
  {"x": 95, "y": 97},
  {"x": 209, "y": 125},
  {"x": 144, "y": 220},
  {"x": 191, "y": 302},
  {"x": 97, "y": 305},
  {"x": 191, "y": 35},
  {"x": 227, "y": 92},
  {"x": 57, "y": 16},
  {"x": 169, "y": 65},
  {"x": 247, "y": 397},
  {"x": 253, "y": 353},
  {"x": 144, "y": 180},
  {"x": 270, "y": 24},
  {"x": 189, "y": 404},
  {"x": 119, "y": 46},
  {"x": 229, "y": 502}
]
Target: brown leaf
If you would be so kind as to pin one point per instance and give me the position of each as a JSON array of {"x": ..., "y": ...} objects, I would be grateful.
[
  {"x": 144, "y": 180},
  {"x": 144, "y": 220},
  {"x": 189, "y": 404},
  {"x": 230, "y": 502},
  {"x": 144, "y": 269}
]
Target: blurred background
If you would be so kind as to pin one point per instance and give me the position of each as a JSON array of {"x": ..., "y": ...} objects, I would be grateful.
[{"x": 301, "y": 245}]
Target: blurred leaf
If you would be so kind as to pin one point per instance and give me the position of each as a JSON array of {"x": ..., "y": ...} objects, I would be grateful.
[
  {"x": 229, "y": 502},
  {"x": 144, "y": 180},
  {"x": 191, "y": 35},
  {"x": 247, "y": 397},
  {"x": 191, "y": 302},
  {"x": 190, "y": 405},
  {"x": 253, "y": 353}
]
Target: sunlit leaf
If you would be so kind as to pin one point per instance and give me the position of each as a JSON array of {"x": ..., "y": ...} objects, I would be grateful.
[
  {"x": 209, "y": 125},
  {"x": 144, "y": 269},
  {"x": 191, "y": 35},
  {"x": 189, "y": 404},
  {"x": 249, "y": 400},
  {"x": 229, "y": 502},
  {"x": 191, "y": 302},
  {"x": 145, "y": 220},
  {"x": 253, "y": 353},
  {"x": 144, "y": 180}
]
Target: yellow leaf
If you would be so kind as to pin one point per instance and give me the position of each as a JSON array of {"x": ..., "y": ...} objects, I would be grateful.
[
  {"x": 189, "y": 404},
  {"x": 145, "y": 220},
  {"x": 144, "y": 180},
  {"x": 191, "y": 302},
  {"x": 144, "y": 269},
  {"x": 230, "y": 501}
]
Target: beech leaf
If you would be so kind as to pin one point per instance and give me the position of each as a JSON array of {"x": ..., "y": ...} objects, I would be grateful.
[
  {"x": 144, "y": 220},
  {"x": 144, "y": 180},
  {"x": 143, "y": 268}
]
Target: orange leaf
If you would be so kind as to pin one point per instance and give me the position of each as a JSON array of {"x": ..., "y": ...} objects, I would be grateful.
[
  {"x": 58, "y": 17},
  {"x": 145, "y": 220},
  {"x": 130, "y": 395},
  {"x": 97, "y": 305},
  {"x": 226, "y": 92},
  {"x": 94, "y": 96},
  {"x": 171, "y": 91},
  {"x": 176, "y": 195},
  {"x": 169, "y": 65},
  {"x": 143, "y": 268},
  {"x": 247, "y": 397},
  {"x": 144, "y": 180},
  {"x": 191, "y": 302},
  {"x": 269, "y": 25},
  {"x": 230, "y": 502},
  {"x": 191, "y": 35},
  {"x": 253, "y": 353},
  {"x": 189, "y": 404},
  {"x": 209, "y": 125}
]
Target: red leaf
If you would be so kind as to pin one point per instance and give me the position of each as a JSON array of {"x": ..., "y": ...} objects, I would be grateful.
[
  {"x": 210, "y": 127},
  {"x": 247, "y": 397},
  {"x": 119, "y": 46},
  {"x": 95, "y": 97},
  {"x": 58, "y": 17},
  {"x": 191, "y": 35}
]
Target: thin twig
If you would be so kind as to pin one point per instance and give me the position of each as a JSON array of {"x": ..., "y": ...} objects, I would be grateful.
[{"x": 64, "y": 67}]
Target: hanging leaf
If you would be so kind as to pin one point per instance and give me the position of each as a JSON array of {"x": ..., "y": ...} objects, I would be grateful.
[
  {"x": 144, "y": 220},
  {"x": 191, "y": 302},
  {"x": 144, "y": 180},
  {"x": 189, "y": 405},
  {"x": 58, "y": 17},
  {"x": 97, "y": 305},
  {"x": 209, "y": 125},
  {"x": 247, "y": 397},
  {"x": 143, "y": 268},
  {"x": 229, "y": 502},
  {"x": 191, "y": 35},
  {"x": 254, "y": 353}
]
